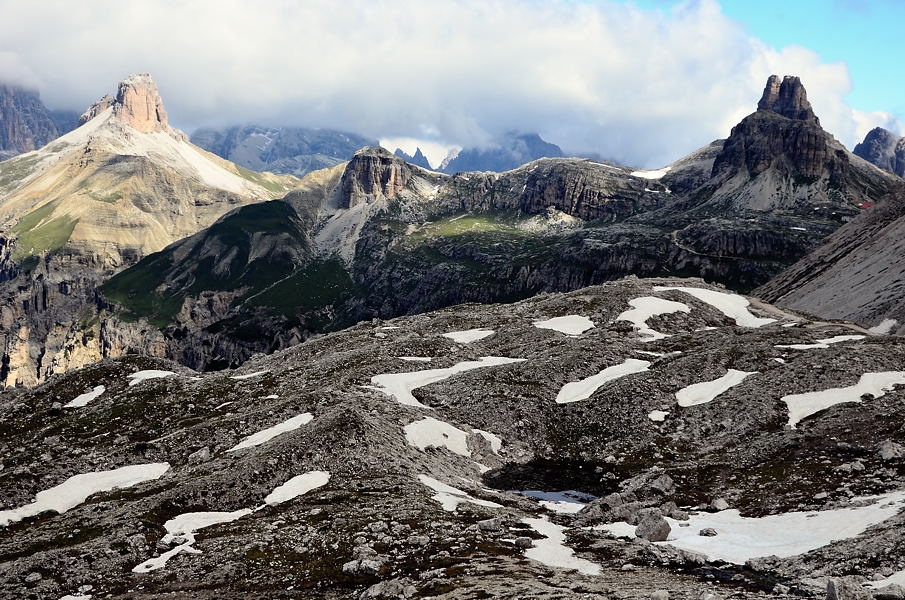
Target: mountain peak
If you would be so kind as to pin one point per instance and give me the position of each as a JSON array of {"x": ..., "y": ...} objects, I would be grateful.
[
  {"x": 787, "y": 98},
  {"x": 138, "y": 104}
]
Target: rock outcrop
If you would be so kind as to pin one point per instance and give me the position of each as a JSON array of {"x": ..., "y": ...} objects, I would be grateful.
[
  {"x": 884, "y": 149},
  {"x": 787, "y": 98},
  {"x": 373, "y": 173}
]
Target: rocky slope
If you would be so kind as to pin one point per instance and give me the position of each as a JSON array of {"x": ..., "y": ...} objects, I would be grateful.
[
  {"x": 534, "y": 450},
  {"x": 389, "y": 238},
  {"x": 293, "y": 150},
  {"x": 92, "y": 202},
  {"x": 857, "y": 274},
  {"x": 884, "y": 149}
]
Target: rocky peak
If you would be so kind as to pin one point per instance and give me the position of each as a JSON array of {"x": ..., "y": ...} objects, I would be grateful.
[
  {"x": 373, "y": 172},
  {"x": 787, "y": 98},
  {"x": 884, "y": 149},
  {"x": 96, "y": 109},
  {"x": 138, "y": 104}
]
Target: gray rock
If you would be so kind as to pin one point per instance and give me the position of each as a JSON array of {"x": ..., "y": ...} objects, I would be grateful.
[
  {"x": 653, "y": 528},
  {"x": 659, "y": 595},
  {"x": 523, "y": 542},
  {"x": 707, "y": 532},
  {"x": 846, "y": 588},
  {"x": 495, "y": 524},
  {"x": 889, "y": 450},
  {"x": 200, "y": 456},
  {"x": 719, "y": 504},
  {"x": 890, "y": 592}
]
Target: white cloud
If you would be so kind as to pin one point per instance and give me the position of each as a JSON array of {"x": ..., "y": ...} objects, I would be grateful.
[{"x": 638, "y": 86}]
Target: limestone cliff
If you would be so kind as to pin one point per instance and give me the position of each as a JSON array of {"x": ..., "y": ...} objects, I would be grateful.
[{"x": 25, "y": 123}]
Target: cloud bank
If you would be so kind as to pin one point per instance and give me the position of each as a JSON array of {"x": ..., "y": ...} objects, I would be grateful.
[{"x": 642, "y": 87}]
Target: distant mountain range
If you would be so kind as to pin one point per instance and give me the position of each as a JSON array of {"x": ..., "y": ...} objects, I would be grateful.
[{"x": 510, "y": 151}]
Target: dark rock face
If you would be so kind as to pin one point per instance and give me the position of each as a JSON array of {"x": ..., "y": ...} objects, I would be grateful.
[
  {"x": 884, "y": 149},
  {"x": 510, "y": 152},
  {"x": 787, "y": 98},
  {"x": 292, "y": 150},
  {"x": 418, "y": 159},
  {"x": 25, "y": 123},
  {"x": 372, "y": 172}
]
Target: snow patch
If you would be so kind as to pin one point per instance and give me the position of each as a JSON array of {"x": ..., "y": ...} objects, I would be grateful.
[
  {"x": 563, "y": 502},
  {"x": 429, "y": 432},
  {"x": 706, "y": 391},
  {"x": 297, "y": 486},
  {"x": 884, "y": 328},
  {"x": 136, "y": 378},
  {"x": 646, "y": 307},
  {"x": 568, "y": 324},
  {"x": 400, "y": 385},
  {"x": 552, "y": 550},
  {"x": 658, "y": 174},
  {"x": 268, "y": 434},
  {"x": 415, "y": 358},
  {"x": 741, "y": 538},
  {"x": 249, "y": 375},
  {"x": 77, "y": 488},
  {"x": 450, "y": 498},
  {"x": 897, "y": 578},
  {"x": 582, "y": 390},
  {"x": 875, "y": 384},
  {"x": 657, "y": 416},
  {"x": 496, "y": 442},
  {"x": 184, "y": 527},
  {"x": 83, "y": 399},
  {"x": 824, "y": 343},
  {"x": 732, "y": 305},
  {"x": 469, "y": 335}
]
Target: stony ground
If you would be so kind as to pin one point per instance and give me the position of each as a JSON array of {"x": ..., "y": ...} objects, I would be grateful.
[{"x": 375, "y": 530}]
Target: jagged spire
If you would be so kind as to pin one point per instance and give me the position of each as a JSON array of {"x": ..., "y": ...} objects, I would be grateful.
[{"x": 787, "y": 98}]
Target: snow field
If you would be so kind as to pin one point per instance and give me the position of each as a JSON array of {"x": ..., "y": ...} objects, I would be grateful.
[
  {"x": 824, "y": 343},
  {"x": 297, "y": 486},
  {"x": 875, "y": 384},
  {"x": 431, "y": 433},
  {"x": 582, "y": 390},
  {"x": 552, "y": 550},
  {"x": 83, "y": 399},
  {"x": 268, "y": 434},
  {"x": 568, "y": 324},
  {"x": 450, "y": 497},
  {"x": 469, "y": 335},
  {"x": 741, "y": 538},
  {"x": 400, "y": 385},
  {"x": 706, "y": 391},
  {"x": 78, "y": 488},
  {"x": 136, "y": 378},
  {"x": 249, "y": 375},
  {"x": 565, "y": 502},
  {"x": 646, "y": 307},
  {"x": 732, "y": 305}
]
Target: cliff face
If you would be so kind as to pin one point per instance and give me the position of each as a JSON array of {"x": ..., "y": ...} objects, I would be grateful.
[
  {"x": 25, "y": 123},
  {"x": 884, "y": 149}
]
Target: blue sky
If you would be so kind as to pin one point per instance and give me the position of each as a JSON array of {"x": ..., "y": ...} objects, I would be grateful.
[
  {"x": 640, "y": 82},
  {"x": 865, "y": 35}
]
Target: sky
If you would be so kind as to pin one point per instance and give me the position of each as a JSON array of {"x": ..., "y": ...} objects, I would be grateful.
[{"x": 638, "y": 82}]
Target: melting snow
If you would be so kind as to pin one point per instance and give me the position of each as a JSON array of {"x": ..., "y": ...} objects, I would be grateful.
[
  {"x": 552, "y": 550},
  {"x": 77, "y": 488},
  {"x": 732, "y": 305},
  {"x": 824, "y": 343},
  {"x": 185, "y": 526},
  {"x": 84, "y": 399},
  {"x": 400, "y": 385},
  {"x": 450, "y": 497},
  {"x": 271, "y": 432},
  {"x": 565, "y": 502},
  {"x": 469, "y": 335},
  {"x": 298, "y": 485},
  {"x": 740, "y": 538},
  {"x": 582, "y": 390},
  {"x": 876, "y": 384},
  {"x": 250, "y": 375},
  {"x": 657, "y": 416},
  {"x": 897, "y": 578},
  {"x": 706, "y": 391},
  {"x": 429, "y": 432},
  {"x": 647, "y": 307},
  {"x": 78, "y": 597},
  {"x": 415, "y": 358},
  {"x": 140, "y": 376},
  {"x": 569, "y": 324},
  {"x": 884, "y": 327}
]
